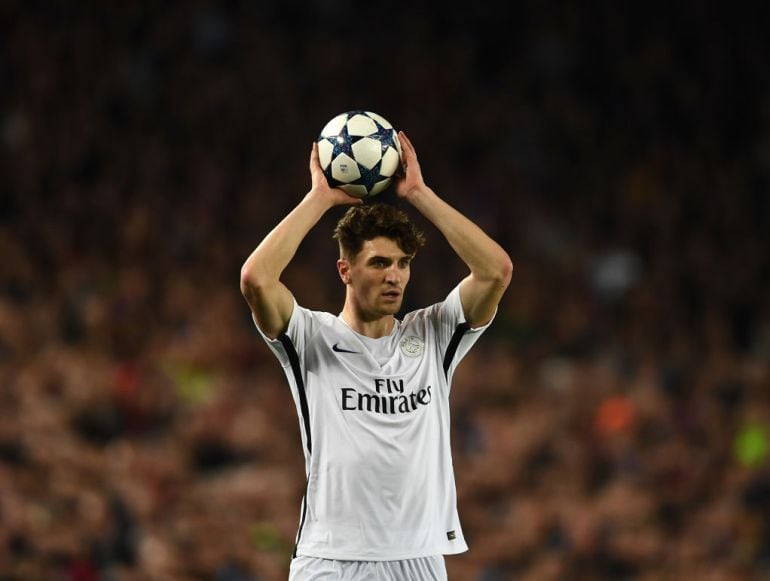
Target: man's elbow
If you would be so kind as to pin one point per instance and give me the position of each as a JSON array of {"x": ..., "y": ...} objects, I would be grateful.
[
  {"x": 250, "y": 282},
  {"x": 502, "y": 270},
  {"x": 507, "y": 269}
]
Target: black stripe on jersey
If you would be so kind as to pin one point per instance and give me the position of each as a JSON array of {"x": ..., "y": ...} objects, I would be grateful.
[
  {"x": 454, "y": 343},
  {"x": 294, "y": 361},
  {"x": 301, "y": 521}
]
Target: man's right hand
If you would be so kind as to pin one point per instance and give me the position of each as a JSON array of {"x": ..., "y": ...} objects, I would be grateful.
[{"x": 320, "y": 185}]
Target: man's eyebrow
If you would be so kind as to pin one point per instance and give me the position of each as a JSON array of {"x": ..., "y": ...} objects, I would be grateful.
[{"x": 389, "y": 258}]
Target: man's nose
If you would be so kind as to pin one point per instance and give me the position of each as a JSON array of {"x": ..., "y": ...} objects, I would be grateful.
[{"x": 391, "y": 275}]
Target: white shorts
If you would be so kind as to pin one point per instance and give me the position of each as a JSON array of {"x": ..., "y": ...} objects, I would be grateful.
[{"x": 315, "y": 569}]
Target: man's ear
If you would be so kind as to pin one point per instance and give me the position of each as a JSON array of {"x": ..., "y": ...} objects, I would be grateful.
[{"x": 343, "y": 268}]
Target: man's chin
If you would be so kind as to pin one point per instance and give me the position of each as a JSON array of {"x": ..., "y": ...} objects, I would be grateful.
[{"x": 391, "y": 308}]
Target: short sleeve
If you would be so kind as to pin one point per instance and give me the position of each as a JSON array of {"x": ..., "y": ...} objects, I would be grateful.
[
  {"x": 454, "y": 335},
  {"x": 301, "y": 325}
]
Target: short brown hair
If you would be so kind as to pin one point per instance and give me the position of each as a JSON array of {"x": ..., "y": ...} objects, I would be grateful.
[{"x": 368, "y": 221}]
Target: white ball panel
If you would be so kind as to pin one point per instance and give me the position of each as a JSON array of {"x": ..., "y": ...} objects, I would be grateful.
[
  {"x": 380, "y": 119},
  {"x": 345, "y": 169},
  {"x": 379, "y": 186},
  {"x": 355, "y": 190},
  {"x": 390, "y": 162},
  {"x": 360, "y": 125},
  {"x": 334, "y": 126},
  {"x": 367, "y": 152},
  {"x": 325, "y": 149}
]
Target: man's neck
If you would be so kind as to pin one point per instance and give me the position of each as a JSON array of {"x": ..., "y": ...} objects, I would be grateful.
[{"x": 374, "y": 328}]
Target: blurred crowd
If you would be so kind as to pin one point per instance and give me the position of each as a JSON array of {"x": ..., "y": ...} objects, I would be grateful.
[{"x": 613, "y": 423}]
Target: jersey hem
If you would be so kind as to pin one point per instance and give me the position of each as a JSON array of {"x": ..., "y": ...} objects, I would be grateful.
[{"x": 343, "y": 556}]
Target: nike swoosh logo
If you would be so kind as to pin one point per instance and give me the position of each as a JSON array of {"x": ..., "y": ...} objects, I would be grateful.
[{"x": 339, "y": 349}]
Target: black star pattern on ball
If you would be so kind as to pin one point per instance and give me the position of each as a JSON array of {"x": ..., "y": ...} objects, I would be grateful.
[
  {"x": 343, "y": 142},
  {"x": 369, "y": 177}
]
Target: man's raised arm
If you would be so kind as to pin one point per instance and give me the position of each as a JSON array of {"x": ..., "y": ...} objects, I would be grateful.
[
  {"x": 270, "y": 301},
  {"x": 490, "y": 265}
]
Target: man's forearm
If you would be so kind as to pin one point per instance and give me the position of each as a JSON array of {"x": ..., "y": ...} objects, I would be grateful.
[
  {"x": 485, "y": 257},
  {"x": 274, "y": 253}
]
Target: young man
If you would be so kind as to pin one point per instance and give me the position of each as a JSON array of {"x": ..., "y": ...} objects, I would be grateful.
[{"x": 372, "y": 391}]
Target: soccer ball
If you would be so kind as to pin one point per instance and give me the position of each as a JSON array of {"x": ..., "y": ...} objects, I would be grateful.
[{"x": 359, "y": 152}]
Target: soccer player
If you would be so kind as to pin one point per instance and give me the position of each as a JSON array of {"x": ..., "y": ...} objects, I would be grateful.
[{"x": 372, "y": 391}]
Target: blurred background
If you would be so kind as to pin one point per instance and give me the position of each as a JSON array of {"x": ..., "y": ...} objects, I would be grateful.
[{"x": 612, "y": 424}]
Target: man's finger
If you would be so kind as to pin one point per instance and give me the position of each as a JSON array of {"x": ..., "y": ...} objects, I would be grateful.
[
  {"x": 405, "y": 140},
  {"x": 315, "y": 163}
]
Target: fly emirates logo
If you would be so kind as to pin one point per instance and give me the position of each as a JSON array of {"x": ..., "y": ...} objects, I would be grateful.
[{"x": 389, "y": 398}]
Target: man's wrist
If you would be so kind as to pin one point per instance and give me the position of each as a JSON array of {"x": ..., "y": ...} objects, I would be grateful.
[
  {"x": 323, "y": 199},
  {"x": 418, "y": 193}
]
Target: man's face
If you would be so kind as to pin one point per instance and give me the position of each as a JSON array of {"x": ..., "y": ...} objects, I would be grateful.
[{"x": 377, "y": 277}]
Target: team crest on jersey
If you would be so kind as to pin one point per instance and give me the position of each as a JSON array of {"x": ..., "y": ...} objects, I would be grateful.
[{"x": 412, "y": 346}]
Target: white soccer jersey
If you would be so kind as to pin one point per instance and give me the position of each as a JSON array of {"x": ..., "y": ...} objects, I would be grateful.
[{"x": 374, "y": 420}]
